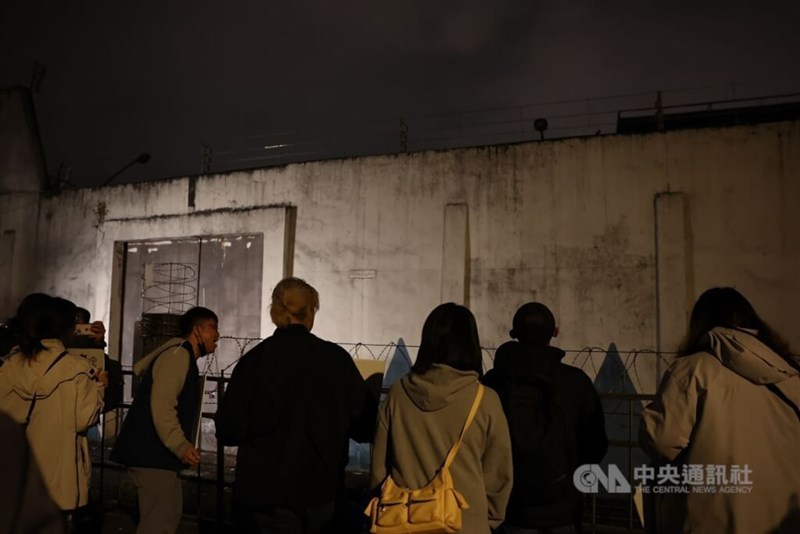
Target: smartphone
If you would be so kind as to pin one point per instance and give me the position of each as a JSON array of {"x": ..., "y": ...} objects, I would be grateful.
[{"x": 83, "y": 329}]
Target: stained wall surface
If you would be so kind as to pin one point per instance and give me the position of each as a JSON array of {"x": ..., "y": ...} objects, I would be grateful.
[{"x": 617, "y": 234}]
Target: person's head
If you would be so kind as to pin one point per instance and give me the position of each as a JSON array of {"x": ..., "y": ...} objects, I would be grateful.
[
  {"x": 40, "y": 317},
  {"x": 725, "y": 307},
  {"x": 450, "y": 337},
  {"x": 200, "y": 326},
  {"x": 294, "y": 301},
  {"x": 82, "y": 316},
  {"x": 534, "y": 325}
]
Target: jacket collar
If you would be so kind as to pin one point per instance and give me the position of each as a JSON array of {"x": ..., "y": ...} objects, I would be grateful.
[
  {"x": 515, "y": 360},
  {"x": 291, "y": 330}
]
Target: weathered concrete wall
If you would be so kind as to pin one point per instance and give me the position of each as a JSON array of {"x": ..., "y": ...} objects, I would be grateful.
[
  {"x": 21, "y": 160},
  {"x": 571, "y": 223},
  {"x": 22, "y": 178}
]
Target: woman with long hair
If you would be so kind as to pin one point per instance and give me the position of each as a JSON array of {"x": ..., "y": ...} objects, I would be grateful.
[
  {"x": 424, "y": 413},
  {"x": 728, "y": 408},
  {"x": 56, "y": 396}
]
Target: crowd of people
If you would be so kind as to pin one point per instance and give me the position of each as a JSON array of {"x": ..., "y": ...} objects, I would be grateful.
[{"x": 454, "y": 449}]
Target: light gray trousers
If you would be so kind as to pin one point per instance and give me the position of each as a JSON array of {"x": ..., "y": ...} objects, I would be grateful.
[{"x": 160, "y": 500}]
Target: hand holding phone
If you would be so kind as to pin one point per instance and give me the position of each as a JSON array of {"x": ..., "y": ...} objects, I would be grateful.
[{"x": 102, "y": 377}]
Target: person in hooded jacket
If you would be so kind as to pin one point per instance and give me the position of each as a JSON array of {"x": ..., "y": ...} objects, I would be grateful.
[
  {"x": 158, "y": 435},
  {"x": 556, "y": 423},
  {"x": 731, "y": 398},
  {"x": 55, "y": 395},
  {"x": 25, "y": 505},
  {"x": 422, "y": 417}
]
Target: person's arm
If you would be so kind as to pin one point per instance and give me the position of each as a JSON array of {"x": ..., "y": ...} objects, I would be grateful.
[
  {"x": 592, "y": 437},
  {"x": 169, "y": 375},
  {"x": 498, "y": 470},
  {"x": 668, "y": 421},
  {"x": 380, "y": 447},
  {"x": 89, "y": 402},
  {"x": 98, "y": 330},
  {"x": 232, "y": 421},
  {"x": 363, "y": 403}
]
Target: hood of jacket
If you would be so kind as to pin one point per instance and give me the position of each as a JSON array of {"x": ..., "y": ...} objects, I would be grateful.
[
  {"x": 741, "y": 351},
  {"x": 27, "y": 376},
  {"x": 437, "y": 388},
  {"x": 141, "y": 366},
  {"x": 527, "y": 363}
]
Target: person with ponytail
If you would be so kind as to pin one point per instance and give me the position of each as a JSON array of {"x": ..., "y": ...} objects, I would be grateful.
[
  {"x": 731, "y": 399},
  {"x": 54, "y": 395},
  {"x": 291, "y": 406}
]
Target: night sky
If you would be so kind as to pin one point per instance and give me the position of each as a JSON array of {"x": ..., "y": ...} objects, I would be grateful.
[{"x": 165, "y": 77}]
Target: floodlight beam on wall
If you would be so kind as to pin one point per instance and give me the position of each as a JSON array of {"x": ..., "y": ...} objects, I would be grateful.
[{"x": 142, "y": 158}]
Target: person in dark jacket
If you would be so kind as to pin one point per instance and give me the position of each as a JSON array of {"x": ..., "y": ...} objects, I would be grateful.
[
  {"x": 157, "y": 436},
  {"x": 95, "y": 339},
  {"x": 292, "y": 403},
  {"x": 556, "y": 423}
]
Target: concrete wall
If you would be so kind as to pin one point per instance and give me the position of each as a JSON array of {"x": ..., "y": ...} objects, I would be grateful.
[
  {"x": 22, "y": 178},
  {"x": 618, "y": 234}
]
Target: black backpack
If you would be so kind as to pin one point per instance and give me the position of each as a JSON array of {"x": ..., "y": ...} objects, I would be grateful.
[{"x": 543, "y": 453}]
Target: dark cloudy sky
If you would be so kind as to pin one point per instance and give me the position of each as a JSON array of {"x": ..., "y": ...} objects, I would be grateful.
[{"x": 167, "y": 76}]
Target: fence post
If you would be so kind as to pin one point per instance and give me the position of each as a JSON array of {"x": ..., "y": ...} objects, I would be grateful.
[
  {"x": 220, "y": 462},
  {"x": 630, "y": 464}
]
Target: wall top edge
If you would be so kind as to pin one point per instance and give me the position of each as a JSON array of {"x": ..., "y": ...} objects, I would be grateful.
[{"x": 201, "y": 213}]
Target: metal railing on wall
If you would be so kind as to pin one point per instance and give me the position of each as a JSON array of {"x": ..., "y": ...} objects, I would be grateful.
[{"x": 605, "y": 513}]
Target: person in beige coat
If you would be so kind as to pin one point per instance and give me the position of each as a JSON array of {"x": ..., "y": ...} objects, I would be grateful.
[
  {"x": 68, "y": 395},
  {"x": 25, "y": 504},
  {"x": 424, "y": 412},
  {"x": 731, "y": 398}
]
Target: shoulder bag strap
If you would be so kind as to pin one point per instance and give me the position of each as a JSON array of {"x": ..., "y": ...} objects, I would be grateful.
[
  {"x": 33, "y": 400},
  {"x": 474, "y": 410}
]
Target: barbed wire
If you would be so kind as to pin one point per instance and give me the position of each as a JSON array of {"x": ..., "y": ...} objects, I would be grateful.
[
  {"x": 629, "y": 379},
  {"x": 623, "y": 376},
  {"x": 410, "y": 132}
]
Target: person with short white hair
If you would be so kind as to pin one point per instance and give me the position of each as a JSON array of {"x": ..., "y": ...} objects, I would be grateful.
[{"x": 291, "y": 406}]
